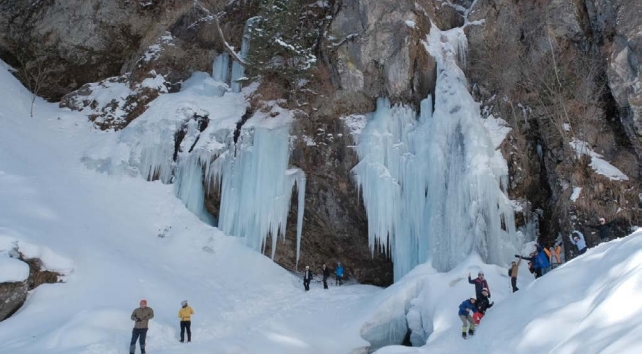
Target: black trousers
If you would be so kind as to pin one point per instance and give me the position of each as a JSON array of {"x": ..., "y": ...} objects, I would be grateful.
[
  {"x": 513, "y": 280},
  {"x": 306, "y": 284},
  {"x": 185, "y": 327},
  {"x": 338, "y": 280},
  {"x": 326, "y": 286},
  {"x": 140, "y": 334}
]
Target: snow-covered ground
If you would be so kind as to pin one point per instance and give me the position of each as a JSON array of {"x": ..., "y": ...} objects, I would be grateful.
[{"x": 104, "y": 232}]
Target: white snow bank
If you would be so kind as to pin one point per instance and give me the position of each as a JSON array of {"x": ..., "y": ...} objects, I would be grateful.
[
  {"x": 12, "y": 270},
  {"x": 576, "y": 191},
  {"x": 598, "y": 164},
  {"x": 11, "y": 242}
]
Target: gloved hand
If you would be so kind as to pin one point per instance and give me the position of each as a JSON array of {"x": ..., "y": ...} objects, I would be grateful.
[
  {"x": 516, "y": 255},
  {"x": 138, "y": 319},
  {"x": 491, "y": 303}
]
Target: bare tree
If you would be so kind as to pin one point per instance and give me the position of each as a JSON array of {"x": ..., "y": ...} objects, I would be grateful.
[{"x": 34, "y": 74}]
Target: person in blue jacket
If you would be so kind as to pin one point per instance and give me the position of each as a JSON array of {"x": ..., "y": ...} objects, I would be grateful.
[
  {"x": 542, "y": 259},
  {"x": 579, "y": 241},
  {"x": 339, "y": 272},
  {"x": 464, "y": 314}
]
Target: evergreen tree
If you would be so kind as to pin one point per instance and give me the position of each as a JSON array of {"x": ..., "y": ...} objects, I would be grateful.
[{"x": 282, "y": 43}]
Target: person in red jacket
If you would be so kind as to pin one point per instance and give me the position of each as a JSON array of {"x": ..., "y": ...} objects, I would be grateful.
[{"x": 479, "y": 284}]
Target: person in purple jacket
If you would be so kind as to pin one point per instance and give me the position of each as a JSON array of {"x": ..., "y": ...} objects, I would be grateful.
[
  {"x": 479, "y": 284},
  {"x": 464, "y": 314}
]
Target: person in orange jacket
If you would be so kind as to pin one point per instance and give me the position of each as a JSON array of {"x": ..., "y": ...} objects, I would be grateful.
[{"x": 184, "y": 314}]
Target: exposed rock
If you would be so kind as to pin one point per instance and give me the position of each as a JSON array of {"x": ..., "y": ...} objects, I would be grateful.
[
  {"x": 12, "y": 296},
  {"x": 617, "y": 30},
  {"x": 376, "y": 48},
  {"x": 542, "y": 67}
]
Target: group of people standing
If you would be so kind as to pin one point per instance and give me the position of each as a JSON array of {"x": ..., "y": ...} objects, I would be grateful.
[
  {"x": 477, "y": 306},
  {"x": 326, "y": 273},
  {"x": 142, "y": 314},
  {"x": 540, "y": 262}
]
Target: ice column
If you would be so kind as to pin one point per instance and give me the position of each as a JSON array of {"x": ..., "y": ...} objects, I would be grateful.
[
  {"x": 431, "y": 182},
  {"x": 238, "y": 69},
  {"x": 220, "y": 68},
  {"x": 256, "y": 186}
]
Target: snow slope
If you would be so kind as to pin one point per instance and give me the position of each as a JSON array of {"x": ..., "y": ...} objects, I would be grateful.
[
  {"x": 120, "y": 239},
  {"x": 109, "y": 227},
  {"x": 592, "y": 304}
]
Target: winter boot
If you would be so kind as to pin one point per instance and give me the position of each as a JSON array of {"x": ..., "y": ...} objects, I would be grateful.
[
  {"x": 464, "y": 335},
  {"x": 471, "y": 332}
]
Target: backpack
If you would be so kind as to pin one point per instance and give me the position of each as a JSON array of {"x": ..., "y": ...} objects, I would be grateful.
[{"x": 510, "y": 272}]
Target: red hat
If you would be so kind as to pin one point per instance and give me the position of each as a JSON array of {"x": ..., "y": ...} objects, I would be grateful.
[{"x": 144, "y": 301}]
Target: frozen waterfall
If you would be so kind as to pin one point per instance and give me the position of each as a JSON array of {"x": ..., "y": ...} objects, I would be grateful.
[
  {"x": 432, "y": 182},
  {"x": 256, "y": 186}
]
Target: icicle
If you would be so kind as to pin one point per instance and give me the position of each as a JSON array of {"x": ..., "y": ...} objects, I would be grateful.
[
  {"x": 256, "y": 188},
  {"x": 220, "y": 68},
  {"x": 238, "y": 71}
]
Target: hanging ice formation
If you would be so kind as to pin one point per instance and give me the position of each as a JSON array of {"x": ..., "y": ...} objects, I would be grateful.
[
  {"x": 256, "y": 186},
  {"x": 432, "y": 185},
  {"x": 238, "y": 70},
  {"x": 220, "y": 68},
  {"x": 253, "y": 176}
]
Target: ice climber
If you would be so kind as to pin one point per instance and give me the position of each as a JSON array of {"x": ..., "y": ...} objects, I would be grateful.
[
  {"x": 308, "y": 275},
  {"x": 140, "y": 316},
  {"x": 184, "y": 314},
  {"x": 579, "y": 241},
  {"x": 464, "y": 314},
  {"x": 479, "y": 284},
  {"x": 339, "y": 272}
]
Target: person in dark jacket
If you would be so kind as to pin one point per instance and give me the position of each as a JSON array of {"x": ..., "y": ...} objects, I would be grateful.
[
  {"x": 484, "y": 303},
  {"x": 308, "y": 275},
  {"x": 479, "y": 284},
  {"x": 464, "y": 314},
  {"x": 533, "y": 266},
  {"x": 325, "y": 275},
  {"x": 604, "y": 229},
  {"x": 141, "y": 315}
]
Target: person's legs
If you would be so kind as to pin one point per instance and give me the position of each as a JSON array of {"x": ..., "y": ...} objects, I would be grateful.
[
  {"x": 464, "y": 320},
  {"x": 144, "y": 333},
  {"x": 183, "y": 329},
  {"x": 513, "y": 280},
  {"x": 135, "y": 336},
  {"x": 472, "y": 324},
  {"x": 188, "y": 330},
  {"x": 583, "y": 250}
]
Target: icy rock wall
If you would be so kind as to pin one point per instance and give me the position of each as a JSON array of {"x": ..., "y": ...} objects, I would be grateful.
[{"x": 431, "y": 182}]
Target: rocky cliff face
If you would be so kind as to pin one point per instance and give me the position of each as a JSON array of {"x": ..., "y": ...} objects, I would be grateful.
[{"x": 560, "y": 73}]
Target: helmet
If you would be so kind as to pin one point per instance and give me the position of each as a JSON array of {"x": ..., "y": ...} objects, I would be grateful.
[
  {"x": 481, "y": 273},
  {"x": 184, "y": 303},
  {"x": 473, "y": 298},
  {"x": 485, "y": 289},
  {"x": 307, "y": 267}
]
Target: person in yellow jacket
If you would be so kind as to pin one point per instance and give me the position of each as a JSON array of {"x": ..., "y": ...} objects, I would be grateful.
[{"x": 184, "y": 314}]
